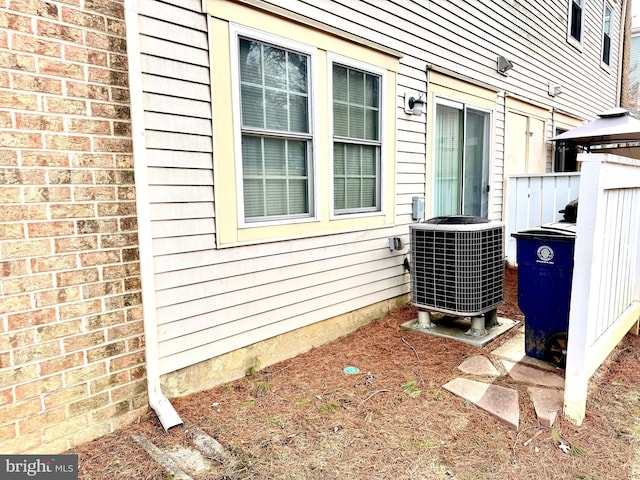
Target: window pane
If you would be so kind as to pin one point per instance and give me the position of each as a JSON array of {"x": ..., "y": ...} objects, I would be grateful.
[
  {"x": 355, "y": 181},
  {"x": 275, "y": 66},
  {"x": 297, "y": 158},
  {"x": 251, "y": 155},
  {"x": 448, "y": 160},
  {"x": 275, "y": 176},
  {"x": 371, "y": 125},
  {"x": 250, "y": 61},
  {"x": 298, "y": 196},
  {"x": 353, "y": 193},
  {"x": 252, "y": 106},
  {"x": 338, "y": 158},
  {"x": 340, "y": 120},
  {"x": 356, "y": 99},
  {"x": 276, "y": 193},
  {"x": 606, "y": 40},
  {"x": 338, "y": 194},
  {"x": 476, "y": 153},
  {"x": 368, "y": 160},
  {"x": 274, "y": 88},
  {"x": 368, "y": 192},
  {"x": 274, "y": 157},
  {"x": 353, "y": 160},
  {"x": 356, "y": 122},
  {"x": 340, "y": 85},
  {"x": 576, "y": 19},
  {"x": 298, "y": 81},
  {"x": 606, "y": 50},
  {"x": 299, "y": 115},
  {"x": 253, "y": 198},
  {"x": 373, "y": 91},
  {"x": 356, "y": 87},
  {"x": 277, "y": 112}
]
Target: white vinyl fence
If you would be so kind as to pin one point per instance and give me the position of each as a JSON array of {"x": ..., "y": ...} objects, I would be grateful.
[
  {"x": 605, "y": 297},
  {"x": 534, "y": 200}
]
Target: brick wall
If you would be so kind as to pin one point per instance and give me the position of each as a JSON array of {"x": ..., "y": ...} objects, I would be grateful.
[{"x": 71, "y": 333}]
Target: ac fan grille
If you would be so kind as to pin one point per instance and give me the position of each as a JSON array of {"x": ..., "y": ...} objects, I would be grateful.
[{"x": 457, "y": 271}]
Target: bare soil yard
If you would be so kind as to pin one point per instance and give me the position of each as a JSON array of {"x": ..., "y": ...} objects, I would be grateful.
[{"x": 304, "y": 418}]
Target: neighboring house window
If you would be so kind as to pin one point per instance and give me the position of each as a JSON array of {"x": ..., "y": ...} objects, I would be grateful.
[
  {"x": 356, "y": 140},
  {"x": 576, "y": 16},
  {"x": 565, "y": 155},
  {"x": 606, "y": 35},
  {"x": 461, "y": 159},
  {"x": 276, "y": 132}
]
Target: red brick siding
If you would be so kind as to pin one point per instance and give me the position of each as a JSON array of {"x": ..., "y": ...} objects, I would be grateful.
[{"x": 71, "y": 334}]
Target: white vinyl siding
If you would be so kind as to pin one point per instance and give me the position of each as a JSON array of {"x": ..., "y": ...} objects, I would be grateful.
[{"x": 214, "y": 300}]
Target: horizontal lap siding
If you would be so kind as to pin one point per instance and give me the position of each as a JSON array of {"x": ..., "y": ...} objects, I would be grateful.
[
  {"x": 177, "y": 101},
  {"x": 213, "y": 301}
]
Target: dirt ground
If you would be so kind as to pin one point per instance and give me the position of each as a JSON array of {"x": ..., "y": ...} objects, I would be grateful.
[{"x": 304, "y": 418}]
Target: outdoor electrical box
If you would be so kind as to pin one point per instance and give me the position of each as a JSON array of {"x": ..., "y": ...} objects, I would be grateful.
[{"x": 417, "y": 210}]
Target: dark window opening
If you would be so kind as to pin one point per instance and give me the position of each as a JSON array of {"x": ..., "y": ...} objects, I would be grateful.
[
  {"x": 565, "y": 155},
  {"x": 576, "y": 20}
]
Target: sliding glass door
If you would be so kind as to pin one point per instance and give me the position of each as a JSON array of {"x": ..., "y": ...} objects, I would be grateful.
[{"x": 461, "y": 160}]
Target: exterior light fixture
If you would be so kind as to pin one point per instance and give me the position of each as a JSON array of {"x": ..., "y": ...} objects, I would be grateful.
[
  {"x": 503, "y": 65},
  {"x": 554, "y": 89},
  {"x": 413, "y": 105}
]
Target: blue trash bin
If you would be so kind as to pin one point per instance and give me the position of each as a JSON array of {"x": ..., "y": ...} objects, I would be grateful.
[{"x": 545, "y": 272}]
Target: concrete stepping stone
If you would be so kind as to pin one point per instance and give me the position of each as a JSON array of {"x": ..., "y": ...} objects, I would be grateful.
[
  {"x": 535, "y": 376},
  {"x": 513, "y": 349},
  {"x": 499, "y": 401},
  {"x": 547, "y": 404},
  {"x": 479, "y": 365}
]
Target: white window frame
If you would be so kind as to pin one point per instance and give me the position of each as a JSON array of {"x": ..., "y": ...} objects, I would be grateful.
[
  {"x": 576, "y": 42},
  {"x": 382, "y": 187},
  {"x": 236, "y": 32},
  {"x": 607, "y": 5}
]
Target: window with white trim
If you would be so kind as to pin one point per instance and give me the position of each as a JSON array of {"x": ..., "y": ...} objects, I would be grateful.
[
  {"x": 606, "y": 35},
  {"x": 299, "y": 151},
  {"x": 276, "y": 130},
  {"x": 576, "y": 20},
  {"x": 356, "y": 140}
]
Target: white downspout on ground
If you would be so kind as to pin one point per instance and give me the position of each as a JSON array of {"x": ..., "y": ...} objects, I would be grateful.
[{"x": 157, "y": 401}]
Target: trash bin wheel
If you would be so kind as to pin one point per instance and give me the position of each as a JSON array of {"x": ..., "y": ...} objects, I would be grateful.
[{"x": 556, "y": 349}]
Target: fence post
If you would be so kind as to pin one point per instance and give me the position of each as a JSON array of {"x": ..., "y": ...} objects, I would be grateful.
[{"x": 586, "y": 269}]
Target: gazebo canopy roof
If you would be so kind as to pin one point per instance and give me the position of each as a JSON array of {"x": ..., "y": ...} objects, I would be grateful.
[{"x": 615, "y": 126}]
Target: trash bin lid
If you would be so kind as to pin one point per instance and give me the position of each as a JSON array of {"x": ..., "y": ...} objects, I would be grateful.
[
  {"x": 563, "y": 228},
  {"x": 556, "y": 230}
]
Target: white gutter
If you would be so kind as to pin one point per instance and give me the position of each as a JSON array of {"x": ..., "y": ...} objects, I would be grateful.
[{"x": 157, "y": 401}]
